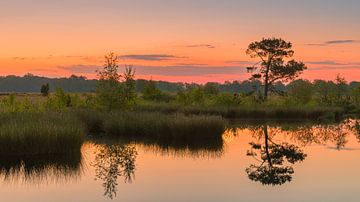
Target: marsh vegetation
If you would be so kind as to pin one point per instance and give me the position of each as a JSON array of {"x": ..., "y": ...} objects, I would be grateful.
[{"x": 57, "y": 122}]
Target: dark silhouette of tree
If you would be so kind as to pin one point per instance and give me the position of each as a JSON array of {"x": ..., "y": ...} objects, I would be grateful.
[
  {"x": 273, "y": 156},
  {"x": 45, "y": 88},
  {"x": 111, "y": 162},
  {"x": 272, "y": 53}
]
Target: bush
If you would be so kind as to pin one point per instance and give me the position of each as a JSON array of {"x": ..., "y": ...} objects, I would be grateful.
[
  {"x": 45, "y": 89},
  {"x": 59, "y": 100}
]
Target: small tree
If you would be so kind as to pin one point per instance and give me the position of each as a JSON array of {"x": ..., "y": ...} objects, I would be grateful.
[
  {"x": 342, "y": 95},
  {"x": 108, "y": 88},
  {"x": 45, "y": 88},
  {"x": 129, "y": 85},
  {"x": 112, "y": 93},
  {"x": 272, "y": 53}
]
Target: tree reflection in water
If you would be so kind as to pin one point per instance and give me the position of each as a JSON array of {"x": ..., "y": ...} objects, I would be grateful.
[
  {"x": 113, "y": 161},
  {"x": 115, "y": 157},
  {"x": 272, "y": 158},
  {"x": 336, "y": 134},
  {"x": 357, "y": 130}
]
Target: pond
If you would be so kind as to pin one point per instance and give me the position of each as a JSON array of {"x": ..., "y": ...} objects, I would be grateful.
[{"x": 252, "y": 162}]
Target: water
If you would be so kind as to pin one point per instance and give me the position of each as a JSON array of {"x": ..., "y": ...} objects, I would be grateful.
[{"x": 305, "y": 162}]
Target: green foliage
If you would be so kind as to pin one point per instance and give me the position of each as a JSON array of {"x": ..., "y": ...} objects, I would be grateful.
[
  {"x": 301, "y": 90},
  {"x": 59, "y": 100},
  {"x": 211, "y": 88},
  {"x": 325, "y": 91},
  {"x": 129, "y": 83},
  {"x": 191, "y": 96},
  {"x": 12, "y": 104},
  {"x": 356, "y": 96},
  {"x": 227, "y": 99},
  {"x": 334, "y": 93},
  {"x": 342, "y": 93},
  {"x": 109, "y": 89},
  {"x": 151, "y": 92},
  {"x": 272, "y": 52},
  {"x": 111, "y": 93}
]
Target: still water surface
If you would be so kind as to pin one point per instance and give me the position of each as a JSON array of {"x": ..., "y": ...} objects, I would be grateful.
[{"x": 286, "y": 162}]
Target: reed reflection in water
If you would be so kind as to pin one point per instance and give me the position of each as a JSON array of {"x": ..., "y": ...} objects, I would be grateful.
[
  {"x": 274, "y": 155},
  {"x": 41, "y": 168}
]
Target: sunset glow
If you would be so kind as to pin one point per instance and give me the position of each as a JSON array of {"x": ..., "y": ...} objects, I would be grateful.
[{"x": 189, "y": 41}]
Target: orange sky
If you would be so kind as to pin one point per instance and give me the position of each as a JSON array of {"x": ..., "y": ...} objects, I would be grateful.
[{"x": 177, "y": 41}]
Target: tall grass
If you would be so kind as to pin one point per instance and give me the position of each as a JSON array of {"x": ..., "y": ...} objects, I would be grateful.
[
  {"x": 243, "y": 112},
  {"x": 154, "y": 125},
  {"x": 39, "y": 133}
]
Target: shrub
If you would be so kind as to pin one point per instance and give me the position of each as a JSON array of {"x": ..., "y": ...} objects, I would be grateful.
[{"x": 45, "y": 88}]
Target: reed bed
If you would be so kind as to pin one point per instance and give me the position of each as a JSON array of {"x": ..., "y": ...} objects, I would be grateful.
[
  {"x": 39, "y": 133},
  {"x": 255, "y": 112},
  {"x": 154, "y": 125}
]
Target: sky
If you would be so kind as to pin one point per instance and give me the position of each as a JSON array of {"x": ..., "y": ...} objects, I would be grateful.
[{"x": 176, "y": 40}]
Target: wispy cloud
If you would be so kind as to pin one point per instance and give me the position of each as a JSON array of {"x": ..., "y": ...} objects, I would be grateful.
[
  {"x": 326, "y": 62},
  {"x": 80, "y": 68},
  {"x": 332, "y": 65},
  {"x": 181, "y": 69},
  {"x": 316, "y": 44},
  {"x": 18, "y": 58},
  {"x": 239, "y": 62},
  {"x": 190, "y": 64},
  {"x": 149, "y": 57},
  {"x": 190, "y": 70},
  {"x": 334, "y": 42},
  {"x": 340, "y": 41},
  {"x": 47, "y": 70},
  {"x": 201, "y": 46},
  {"x": 343, "y": 149}
]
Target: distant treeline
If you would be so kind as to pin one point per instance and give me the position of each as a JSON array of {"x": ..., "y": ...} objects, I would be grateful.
[{"x": 30, "y": 83}]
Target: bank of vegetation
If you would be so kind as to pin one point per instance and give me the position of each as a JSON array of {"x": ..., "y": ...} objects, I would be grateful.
[{"x": 58, "y": 121}]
